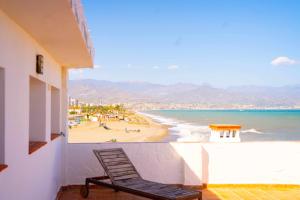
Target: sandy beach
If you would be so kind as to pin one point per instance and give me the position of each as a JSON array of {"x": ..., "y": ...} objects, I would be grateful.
[{"x": 141, "y": 129}]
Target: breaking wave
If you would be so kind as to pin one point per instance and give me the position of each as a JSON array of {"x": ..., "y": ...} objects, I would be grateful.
[
  {"x": 252, "y": 130},
  {"x": 181, "y": 130}
]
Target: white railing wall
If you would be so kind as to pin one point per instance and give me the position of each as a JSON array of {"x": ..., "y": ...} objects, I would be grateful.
[
  {"x": 251, "y": 163},
  {"x": 196, "y": 163},
  {"x": 163, "y": 162}
]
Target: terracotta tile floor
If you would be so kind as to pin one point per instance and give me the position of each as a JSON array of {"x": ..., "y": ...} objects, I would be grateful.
[{"x": 225, "y": 193}]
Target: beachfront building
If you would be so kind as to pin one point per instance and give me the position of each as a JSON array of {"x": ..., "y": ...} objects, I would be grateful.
[
  {"x": 39, "y": 41},
  {"x": 224, "y": 133}
]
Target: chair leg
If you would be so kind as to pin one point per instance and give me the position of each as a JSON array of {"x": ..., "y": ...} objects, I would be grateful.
[{"x": 84, "y": 191}]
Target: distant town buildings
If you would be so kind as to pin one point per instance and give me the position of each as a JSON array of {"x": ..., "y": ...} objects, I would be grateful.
[
  {"x": 142, "y": 106},
  {"x": 73, "y": 102},
  {"x": 76, "y": 103}
]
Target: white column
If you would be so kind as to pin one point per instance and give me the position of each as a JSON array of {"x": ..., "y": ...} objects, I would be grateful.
[{"x": 64, "y": 120}]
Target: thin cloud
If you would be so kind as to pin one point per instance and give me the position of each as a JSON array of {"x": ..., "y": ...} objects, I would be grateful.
[
  {"x": 155, "y": 67},
  {"x": 283, "y": 60},
  {"x": 173, "y": 67},
  {"x": 97, "y": 66},
  {"x": 76, "y": 73}
]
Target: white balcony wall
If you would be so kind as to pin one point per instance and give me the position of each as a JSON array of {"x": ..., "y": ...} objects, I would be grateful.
[
  {"x": 252, "y": 163},
  {"x": 196, "y": 163},
  {"x": 178, "y": 163},
  {"x": 39, "y": 175}
]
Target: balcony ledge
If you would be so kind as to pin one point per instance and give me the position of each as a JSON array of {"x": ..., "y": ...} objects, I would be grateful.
[
  {"x": 2, "y": 167},
  {"x": 35, "y": 145},
  {"x": 54, "y": 136}
]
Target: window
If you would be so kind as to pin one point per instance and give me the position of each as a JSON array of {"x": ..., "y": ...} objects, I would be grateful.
[
  {"x": 37, "y": 114},
  {"x": 2, "y": 119},
  {"x": 233, "y": 133},
  {"x": 55, "y": 113},
  {"x": 221, "y": 134},
  {"x": 228, "y": 133}
]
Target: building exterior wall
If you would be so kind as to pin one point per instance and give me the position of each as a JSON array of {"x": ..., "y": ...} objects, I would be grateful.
[
  {"x": 2, "y": 113},
  {"x": 55, "y": 110},
  {"x": 39, "y": 175},
  {"x": 37, "y": 110}
]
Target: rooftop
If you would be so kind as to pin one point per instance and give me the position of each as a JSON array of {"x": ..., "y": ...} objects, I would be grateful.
[{"x": 224, "y": 126}]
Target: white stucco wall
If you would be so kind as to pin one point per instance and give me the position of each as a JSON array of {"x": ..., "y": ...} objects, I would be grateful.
[
  {"x": 55, "y": 110},
  {"x": 196, "y": 163},
  {"x": 174, "y": 163},
  {"x": 37, "y": 110},
  {"x": 252, "y": 163},
  {"x": 39, "y": 175},
  {"x": 2, "y": 117}
]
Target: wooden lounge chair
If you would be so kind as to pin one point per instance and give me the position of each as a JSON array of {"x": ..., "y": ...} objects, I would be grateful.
[{"x": 122, "y": 176}]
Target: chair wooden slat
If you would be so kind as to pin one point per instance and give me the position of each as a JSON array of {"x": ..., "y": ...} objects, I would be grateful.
[
  {"x": 126, "y": 177},
  {"x": 119, "y": 166},
  {"x": 116, "y": 174},
  {"x": 116, "y": 163},
  {"x": 110, "y": 153},
  {"x": 124, "y": 169},
  {"x": 107, "y": 160},
  {"x": 162, "y": 190}
]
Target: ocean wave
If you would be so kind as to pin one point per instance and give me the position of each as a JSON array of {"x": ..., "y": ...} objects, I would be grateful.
[
  {"x": 184, "y": 131},
  {"x": 161, "y": 120},
  {"x": 252, "y": 130}
]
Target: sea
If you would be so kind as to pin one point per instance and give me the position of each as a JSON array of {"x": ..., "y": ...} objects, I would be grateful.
[{"x": 257, "y": 125}]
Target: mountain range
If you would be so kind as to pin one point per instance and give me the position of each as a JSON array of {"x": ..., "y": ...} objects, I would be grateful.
[{"x": 106, "y": 92}]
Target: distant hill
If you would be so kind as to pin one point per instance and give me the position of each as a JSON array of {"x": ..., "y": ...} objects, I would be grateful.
[{"x": 98, "y": 91}]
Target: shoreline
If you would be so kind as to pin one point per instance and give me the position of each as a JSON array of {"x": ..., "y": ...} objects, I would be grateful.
[
  {"x": 141, "y": 129},
  {"x": 160, "y": 137}
]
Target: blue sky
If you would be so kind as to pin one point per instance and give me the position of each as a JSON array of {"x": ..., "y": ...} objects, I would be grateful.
[{"x": 223, "y": 43}]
